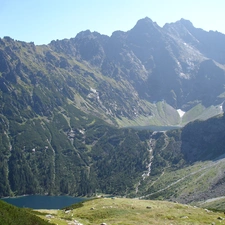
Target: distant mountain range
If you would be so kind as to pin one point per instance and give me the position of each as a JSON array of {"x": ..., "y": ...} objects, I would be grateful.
[{"x": 63, "y": 107}]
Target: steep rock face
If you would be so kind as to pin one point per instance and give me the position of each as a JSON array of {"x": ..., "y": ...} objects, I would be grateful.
[
  {"x": 158, "y": 63},
  {"x": 202, "y": 40}
]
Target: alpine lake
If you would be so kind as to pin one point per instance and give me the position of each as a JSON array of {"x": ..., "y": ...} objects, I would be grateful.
[{"x": 43, "y": 201}]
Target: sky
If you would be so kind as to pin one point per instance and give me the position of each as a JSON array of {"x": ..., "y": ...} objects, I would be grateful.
[{"x": 41, "y": 21}]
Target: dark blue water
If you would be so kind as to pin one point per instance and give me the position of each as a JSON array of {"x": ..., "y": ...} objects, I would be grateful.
[{"x": 43, "y": 202}]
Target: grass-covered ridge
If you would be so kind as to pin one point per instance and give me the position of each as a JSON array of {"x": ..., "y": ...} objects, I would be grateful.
[
  {"x": 123, "y": 211},
  {"x": 11, "y": 215}
]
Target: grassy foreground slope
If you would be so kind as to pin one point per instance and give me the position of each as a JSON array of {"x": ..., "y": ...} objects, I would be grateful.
[
  {"x": 11, "y": 215},
  {"x": 126, "y": 211}
]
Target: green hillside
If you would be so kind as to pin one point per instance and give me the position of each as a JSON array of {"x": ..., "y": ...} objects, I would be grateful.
[
  {"x": 188, "y": 164},
  {"x": 11, "y": 215}
]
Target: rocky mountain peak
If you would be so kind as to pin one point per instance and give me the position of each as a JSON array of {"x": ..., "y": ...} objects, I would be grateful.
[
  {"x": 145, "y": 25},
  {"x": 84, "y": 34},
  {"x": 186, "y": 23},
  {"x": 180, "y": 23}
]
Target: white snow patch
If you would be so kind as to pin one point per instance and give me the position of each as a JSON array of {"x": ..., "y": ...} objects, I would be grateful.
[
  {"x": 181, "y": 113},
  {"x": 185, "y": 76},
  {"x": 93, "y": 90}
]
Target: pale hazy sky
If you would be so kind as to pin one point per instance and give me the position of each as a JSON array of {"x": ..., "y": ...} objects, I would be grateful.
[{"x": 41, "y": 21}]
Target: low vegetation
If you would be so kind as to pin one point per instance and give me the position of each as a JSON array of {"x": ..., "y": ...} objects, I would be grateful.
[
  {"x": 11, "y": 215},
  {"x": 123, "y": 211}
]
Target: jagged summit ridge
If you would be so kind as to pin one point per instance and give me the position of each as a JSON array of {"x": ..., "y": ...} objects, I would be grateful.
[
  {"x": 145, "y": 25},
  {"x": 154, "y": 61}
]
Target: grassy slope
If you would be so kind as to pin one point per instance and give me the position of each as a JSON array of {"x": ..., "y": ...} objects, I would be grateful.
[
  {"x": 162, "y": 115},
  {"x": 216, "y": 204},
  {"x": 133, "y": 211},
  {"x": 200, "y": 112},
  {"x": 11, "y": 215},
  {"x": 190, "y": 184},
  {"x": 165, "y": 115}
]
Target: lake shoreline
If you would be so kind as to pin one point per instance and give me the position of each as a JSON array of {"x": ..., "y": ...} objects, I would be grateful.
[
  {"x": 43, "y": 201},
  {"x": 19, "y": 196}
]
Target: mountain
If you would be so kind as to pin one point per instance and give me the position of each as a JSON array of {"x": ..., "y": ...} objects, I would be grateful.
[
  {"x": 68, "y": 109},
  {"x": 119, "y": 78},
  {"x": 177, "y": 63},
  {"x": 187, "y": 164}
]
